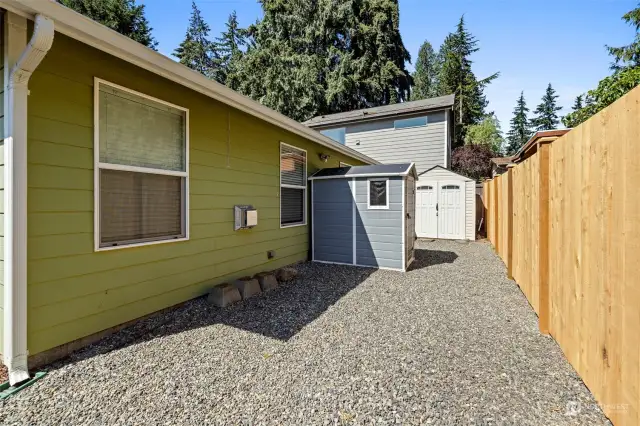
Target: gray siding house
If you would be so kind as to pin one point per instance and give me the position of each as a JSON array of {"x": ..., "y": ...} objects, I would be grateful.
[
  {"x": 363, "y": 215},
  {"x": 411, "y": 132}
]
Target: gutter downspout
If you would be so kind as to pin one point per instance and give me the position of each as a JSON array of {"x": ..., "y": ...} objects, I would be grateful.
[{"x": 15, "y": 277}]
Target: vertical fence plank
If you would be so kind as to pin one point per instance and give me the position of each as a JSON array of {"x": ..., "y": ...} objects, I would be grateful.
[
  {"x": 543, "y": 238},
  {"x": 509, "y": 236},
  {"x": 496, "y": 218}
]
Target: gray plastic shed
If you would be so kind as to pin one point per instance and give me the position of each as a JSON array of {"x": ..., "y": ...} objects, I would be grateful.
[{"x": 364, "y": 215}]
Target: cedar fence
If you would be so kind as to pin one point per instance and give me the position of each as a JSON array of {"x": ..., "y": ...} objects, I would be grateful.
[{"x": 566, "y": 222}]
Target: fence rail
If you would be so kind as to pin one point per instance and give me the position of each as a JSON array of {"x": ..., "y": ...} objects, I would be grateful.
[{"x": 566, "y": 222}]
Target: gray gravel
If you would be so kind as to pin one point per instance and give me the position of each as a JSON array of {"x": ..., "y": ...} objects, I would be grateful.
[{"x": 451, "y": 342}]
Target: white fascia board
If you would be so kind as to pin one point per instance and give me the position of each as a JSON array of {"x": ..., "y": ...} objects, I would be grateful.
[{"x": 81, "y": 28}]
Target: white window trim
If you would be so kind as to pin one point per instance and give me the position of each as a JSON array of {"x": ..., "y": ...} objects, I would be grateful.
[
  {"x": 369, "y": 206},
  {"x": 305, "y": 204},
  {"x": 98, "y": 165},
  {"x": 341, "y": 164}
]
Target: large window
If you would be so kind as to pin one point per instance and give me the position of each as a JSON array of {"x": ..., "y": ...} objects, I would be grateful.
[
  {"x": 293, "y": 185},
  {"x": 337, "y": 135},
  {"x": 141, "y": 168},
  {"x": 378, "y": 194}
]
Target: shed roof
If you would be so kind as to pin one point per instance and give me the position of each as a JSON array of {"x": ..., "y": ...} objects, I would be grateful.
[
  {"x": 381, "y": 170},
  {"x": 403, "y": 108}
]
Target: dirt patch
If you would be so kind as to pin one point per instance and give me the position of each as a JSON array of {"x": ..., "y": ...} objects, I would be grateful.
[{"x": 4, "y": 374}]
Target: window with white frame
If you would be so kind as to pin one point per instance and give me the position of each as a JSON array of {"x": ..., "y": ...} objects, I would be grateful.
[
  {"x": 141, "y": 168},
  {"x": 293, "y": 185},
  {"x": 378, "y": 194}
]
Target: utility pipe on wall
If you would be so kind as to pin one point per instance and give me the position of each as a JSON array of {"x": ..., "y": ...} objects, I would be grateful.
[{"x": 15, "y": 351}]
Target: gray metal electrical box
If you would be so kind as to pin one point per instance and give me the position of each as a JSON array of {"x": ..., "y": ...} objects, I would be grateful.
[{"x": 245, "y": 217}]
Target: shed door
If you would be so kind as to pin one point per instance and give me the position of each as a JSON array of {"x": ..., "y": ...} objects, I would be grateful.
[
  {"x": 451, "y": 210},
  {"x": 426, "y": 209}
]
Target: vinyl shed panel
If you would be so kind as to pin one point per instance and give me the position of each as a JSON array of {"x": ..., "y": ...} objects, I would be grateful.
[{"x": 332, "y": 217}]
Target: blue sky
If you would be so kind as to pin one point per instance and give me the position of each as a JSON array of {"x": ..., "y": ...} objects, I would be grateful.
[{"x": 532, "y": 43}]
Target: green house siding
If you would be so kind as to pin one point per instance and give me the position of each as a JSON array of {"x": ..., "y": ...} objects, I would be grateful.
[{"x": 74, "y": 291}]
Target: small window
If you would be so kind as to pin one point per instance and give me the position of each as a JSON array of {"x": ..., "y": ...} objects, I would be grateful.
[
  {"x": 141, "y": 173},
  {"x": 451, "y": 187},
  {"x": 337, "y": 135},
  {"x": 378, "y": 194},
  {"x": 410, "y": 122},
  {"x": 427, "y": 187},
  {"x": 345, "y": 164},
  {"x": 293, "y": 186}
]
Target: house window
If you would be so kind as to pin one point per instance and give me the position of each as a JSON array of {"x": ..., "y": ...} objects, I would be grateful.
[
  {"x": 410, "y": 122},
  {"x": 141, "y": 168},
  {"x": 293, "y": 186},
  {"x": 337, "y": 135},
  {"x": 378, "y": 194}
]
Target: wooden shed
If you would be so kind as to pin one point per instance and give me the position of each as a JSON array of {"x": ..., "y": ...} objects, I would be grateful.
[{"x": 364, "y": 215}]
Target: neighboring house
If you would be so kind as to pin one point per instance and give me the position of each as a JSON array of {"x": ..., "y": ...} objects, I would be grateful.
[
  {"x": 499, "y": 165},
  {"x": 119, "y": 201},
  {"x": 417, "y": 132}
]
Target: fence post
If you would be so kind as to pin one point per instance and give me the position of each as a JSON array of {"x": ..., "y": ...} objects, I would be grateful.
[
  {"x": 495, "y": 222},
  {"x": 509, "y": 256},
  {"x": 543, "y": 238}
]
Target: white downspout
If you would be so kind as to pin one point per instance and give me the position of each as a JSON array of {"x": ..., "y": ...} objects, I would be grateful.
[{"x": 15, "y": 275}]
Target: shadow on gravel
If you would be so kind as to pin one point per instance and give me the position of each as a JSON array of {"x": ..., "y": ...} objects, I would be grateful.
[
  {"x": 278, "y": 314},
  {"x": 425, "y": 258}
]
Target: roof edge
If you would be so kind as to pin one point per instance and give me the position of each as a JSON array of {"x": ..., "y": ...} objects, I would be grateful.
[
  {"x": 449, "y": 170},
  {"x": 96, "y": 35}
]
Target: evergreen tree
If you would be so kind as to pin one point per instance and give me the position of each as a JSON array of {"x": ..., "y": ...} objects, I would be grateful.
[
  {"x": 123, "y": 16},
  {"x": 520, "y": 130},
  {"x": 578, "y": 104},
  {"x": 546, "y": 117},
  {"x": 196, "y": 51},
  {"x": 425, "y": 77},
  {"x": 628, "y": 56},
  {"x": 229, "y": 53},
  {"x": 457, "y": 77}
]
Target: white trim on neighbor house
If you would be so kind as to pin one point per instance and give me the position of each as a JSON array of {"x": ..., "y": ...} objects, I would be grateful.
[
  {"x": 85, "y": 30},
  {"x": 447, "y": 144},
  {"x": 305, "y": 204},
  {"x": 98, "y": 165},
  {"x": 21, "y": 60},
  {"x": 386, "y": 198}
]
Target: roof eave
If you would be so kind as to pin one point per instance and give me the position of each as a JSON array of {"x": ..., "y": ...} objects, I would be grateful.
[
  {"x": 367, "y": 118},
  {"x": 79, "y": 27}
]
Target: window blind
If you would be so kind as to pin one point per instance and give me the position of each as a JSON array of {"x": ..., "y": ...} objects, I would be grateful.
[{"x": 293, "y": 185}]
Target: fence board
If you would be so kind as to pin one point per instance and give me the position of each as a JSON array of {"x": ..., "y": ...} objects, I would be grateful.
[{"x": 593, "y": 249}]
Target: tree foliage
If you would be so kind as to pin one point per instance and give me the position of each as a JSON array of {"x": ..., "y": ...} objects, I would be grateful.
[
  {"x": 425, "y": 77},
  {"x": 123, "y": 16},
  {"x": 546, "y": 113},
  {"x": 626, "y": 76},
  {"x": 228, "y": 52},
  {"x": 520, "y": 127},
  {"x": 486, "y": 133},
  {"x": 457, "y": 77},
  {"x": 473, "y": 161},
  {"x": 196, "y": 51}
]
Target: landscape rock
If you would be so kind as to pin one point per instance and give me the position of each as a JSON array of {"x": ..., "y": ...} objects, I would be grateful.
[
  {"x": 224, "y": 295},
  {"x": 287, "y": 274},
  {"x": 247, "y": 287},
  {"x": 267, "y": 280}
]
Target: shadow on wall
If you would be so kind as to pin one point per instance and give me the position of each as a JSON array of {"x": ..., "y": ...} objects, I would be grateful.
[{"x": 426, "y": 258}]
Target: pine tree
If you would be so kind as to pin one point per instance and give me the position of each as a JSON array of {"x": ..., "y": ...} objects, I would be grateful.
[
  {"x": 546, "y": 117},
  {"x": 578, "y": 104},
  {"x": 425, "y": 77},
  {"x": 228, "y": 50},
  {"x": 628, "y": 56},
  {"x": 123, "y": 16},
  {"x": 520, "y": 130},
  {"x": 196, "y": 51},
  {"x": 457, "y": 77}
]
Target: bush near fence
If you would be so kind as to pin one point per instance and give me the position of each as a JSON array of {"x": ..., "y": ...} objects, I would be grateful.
[{"x": 566, "y": 222}]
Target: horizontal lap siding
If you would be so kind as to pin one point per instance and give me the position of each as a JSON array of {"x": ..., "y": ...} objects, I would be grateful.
[
  {"x": 424, "y": 145},
  {"x": 332, "y": 221},
  {"x": 379, "y": 231},
  {"x": 74, "y": 291}
]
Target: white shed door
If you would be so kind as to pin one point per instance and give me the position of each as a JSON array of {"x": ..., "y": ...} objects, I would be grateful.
[
  {"x": 440, "y": 209},
  {"x": 426, "y": 209},
  {"x": 451, "y": 210}
]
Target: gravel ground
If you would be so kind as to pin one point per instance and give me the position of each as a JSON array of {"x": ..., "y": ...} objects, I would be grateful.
[{"x": 450, "y": 342}]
